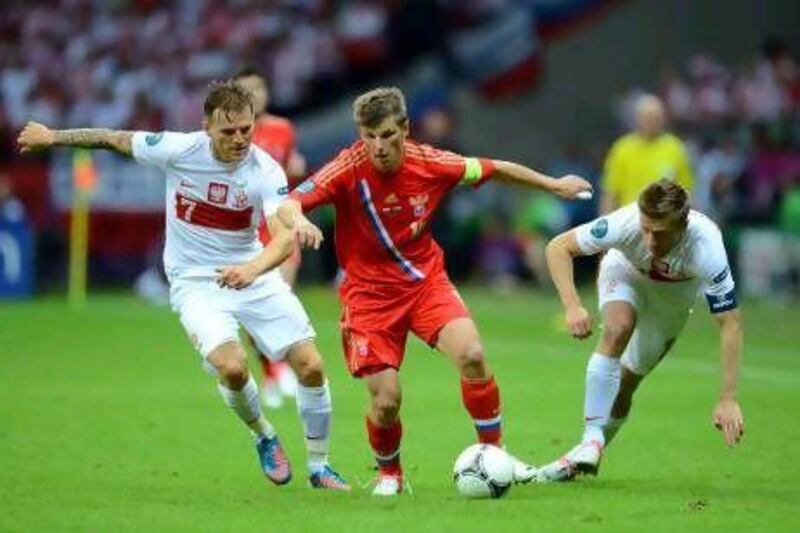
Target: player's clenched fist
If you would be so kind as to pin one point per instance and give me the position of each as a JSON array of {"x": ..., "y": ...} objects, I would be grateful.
[
  {"x": 236, "y": 277},
  {"x": 728, "y": 419},
  {"x": 307, "y": 234},
  {"x": 35, "y": 136},
  {"x": 579, "y": 322},
  {"x": 570, "y": 187}
]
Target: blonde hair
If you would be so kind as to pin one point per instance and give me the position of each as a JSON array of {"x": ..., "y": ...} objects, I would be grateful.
[{"x": 373, "y": 107}]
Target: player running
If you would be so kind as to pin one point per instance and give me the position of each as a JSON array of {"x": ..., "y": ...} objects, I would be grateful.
[
  {"x": 276, "y": 136},
  {"x": 659, "y": 254},
  {"x": 385, "y": 189},
  {"x": 218, "y": 187}
]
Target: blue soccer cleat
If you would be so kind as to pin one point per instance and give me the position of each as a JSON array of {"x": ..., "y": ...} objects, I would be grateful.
[
  {"x": 327, "y": 478},
  {"x": 274, "y": 462}
]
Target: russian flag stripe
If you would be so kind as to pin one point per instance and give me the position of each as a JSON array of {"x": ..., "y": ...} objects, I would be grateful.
[
  {"x": 488, "y": 423},
  {"x": 383, "y": 235}
]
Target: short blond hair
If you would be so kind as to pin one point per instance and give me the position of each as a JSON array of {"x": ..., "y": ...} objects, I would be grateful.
[
  {"x": 663, "y": 199},
  {"x": 373, "y": 107}
]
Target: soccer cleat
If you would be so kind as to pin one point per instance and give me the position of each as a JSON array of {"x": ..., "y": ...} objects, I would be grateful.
[
  {"x": 559, "y": 470},
  {"x": 327, "y": 478},
  {"x": 523, "y": 472},
  {"x": 585, "y": 457},
  {"x": 388, "y": 485},
  {"x": 274, "y": 462}
]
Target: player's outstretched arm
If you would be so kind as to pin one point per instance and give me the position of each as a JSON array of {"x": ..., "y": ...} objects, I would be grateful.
[
  {"x": 35, "y": 136},
  {"x": 290, "y": 213},
  {"x": 727, "y": 413},
  {"x": 275, "y": 252},
  {"x": 569, "y": 187},
  {"x": 560, "y": 253}
]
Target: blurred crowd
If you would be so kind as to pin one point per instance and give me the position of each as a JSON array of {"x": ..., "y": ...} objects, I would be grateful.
[
  {"x": 145, "y": 64},
  {"x": 740, "y": 128}
]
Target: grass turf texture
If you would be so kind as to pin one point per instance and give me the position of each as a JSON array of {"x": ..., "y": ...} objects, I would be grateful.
[{"x": 107, "y": 423}]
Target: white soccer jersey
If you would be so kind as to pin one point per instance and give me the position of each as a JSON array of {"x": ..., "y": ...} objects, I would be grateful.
[
  {"x": 698, "y": 260},
  {"x": 212, "y": 208}
]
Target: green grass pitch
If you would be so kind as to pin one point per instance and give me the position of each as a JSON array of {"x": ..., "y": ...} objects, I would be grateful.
[{"x": 108, "y": 423}]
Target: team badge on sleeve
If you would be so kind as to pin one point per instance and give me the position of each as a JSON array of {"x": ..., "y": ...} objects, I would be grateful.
[
  {"x": 154, "y": 138},
  {"x": 599, "y": 229},
  {"x": 306, "y": 187}
]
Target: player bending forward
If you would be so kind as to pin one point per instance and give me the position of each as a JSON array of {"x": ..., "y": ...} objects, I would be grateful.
[
  {"x": 218, "y": 186},
  {"x": 385, "y": 189},
  {"x": 659, "y": 254}
]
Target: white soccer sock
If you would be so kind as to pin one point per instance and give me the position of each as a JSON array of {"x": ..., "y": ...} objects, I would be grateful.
[
  {"x": 602, "y": 385},
  {"x": 246, "y": 405},
  {"x": 314, "y": 406},
  {"x": 612, "y": 427}
]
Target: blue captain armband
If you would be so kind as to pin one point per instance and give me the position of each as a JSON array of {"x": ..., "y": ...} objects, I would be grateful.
[{"x": 720, "y": 304}]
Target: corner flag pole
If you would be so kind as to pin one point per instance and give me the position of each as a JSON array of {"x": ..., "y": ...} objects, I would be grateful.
[{"x": 84, "y": 180}]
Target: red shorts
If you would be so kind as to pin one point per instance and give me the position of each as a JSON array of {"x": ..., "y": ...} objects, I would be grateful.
[{"x": 376, "y": 320}]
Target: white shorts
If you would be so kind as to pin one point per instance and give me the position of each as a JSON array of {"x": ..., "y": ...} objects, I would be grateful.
[
  {"x": 270, "y": 313},
  {"x": 661, "y": 311}
]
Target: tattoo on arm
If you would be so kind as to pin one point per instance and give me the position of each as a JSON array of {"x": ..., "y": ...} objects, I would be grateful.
[{"x": 116, "y": 140}]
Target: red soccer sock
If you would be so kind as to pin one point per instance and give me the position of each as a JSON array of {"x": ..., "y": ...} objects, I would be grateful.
[
  {"x": 385, "y": 442},
  {"x": 482, "y": 400}
]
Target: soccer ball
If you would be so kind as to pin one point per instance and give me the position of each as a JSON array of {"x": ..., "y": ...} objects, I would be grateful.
[{"x": 483, "y": 471}]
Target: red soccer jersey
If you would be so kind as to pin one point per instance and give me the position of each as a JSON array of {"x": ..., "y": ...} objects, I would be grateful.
[
  {"x": 383, "y": 220},
  {"x": 274, "y": 135}
]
